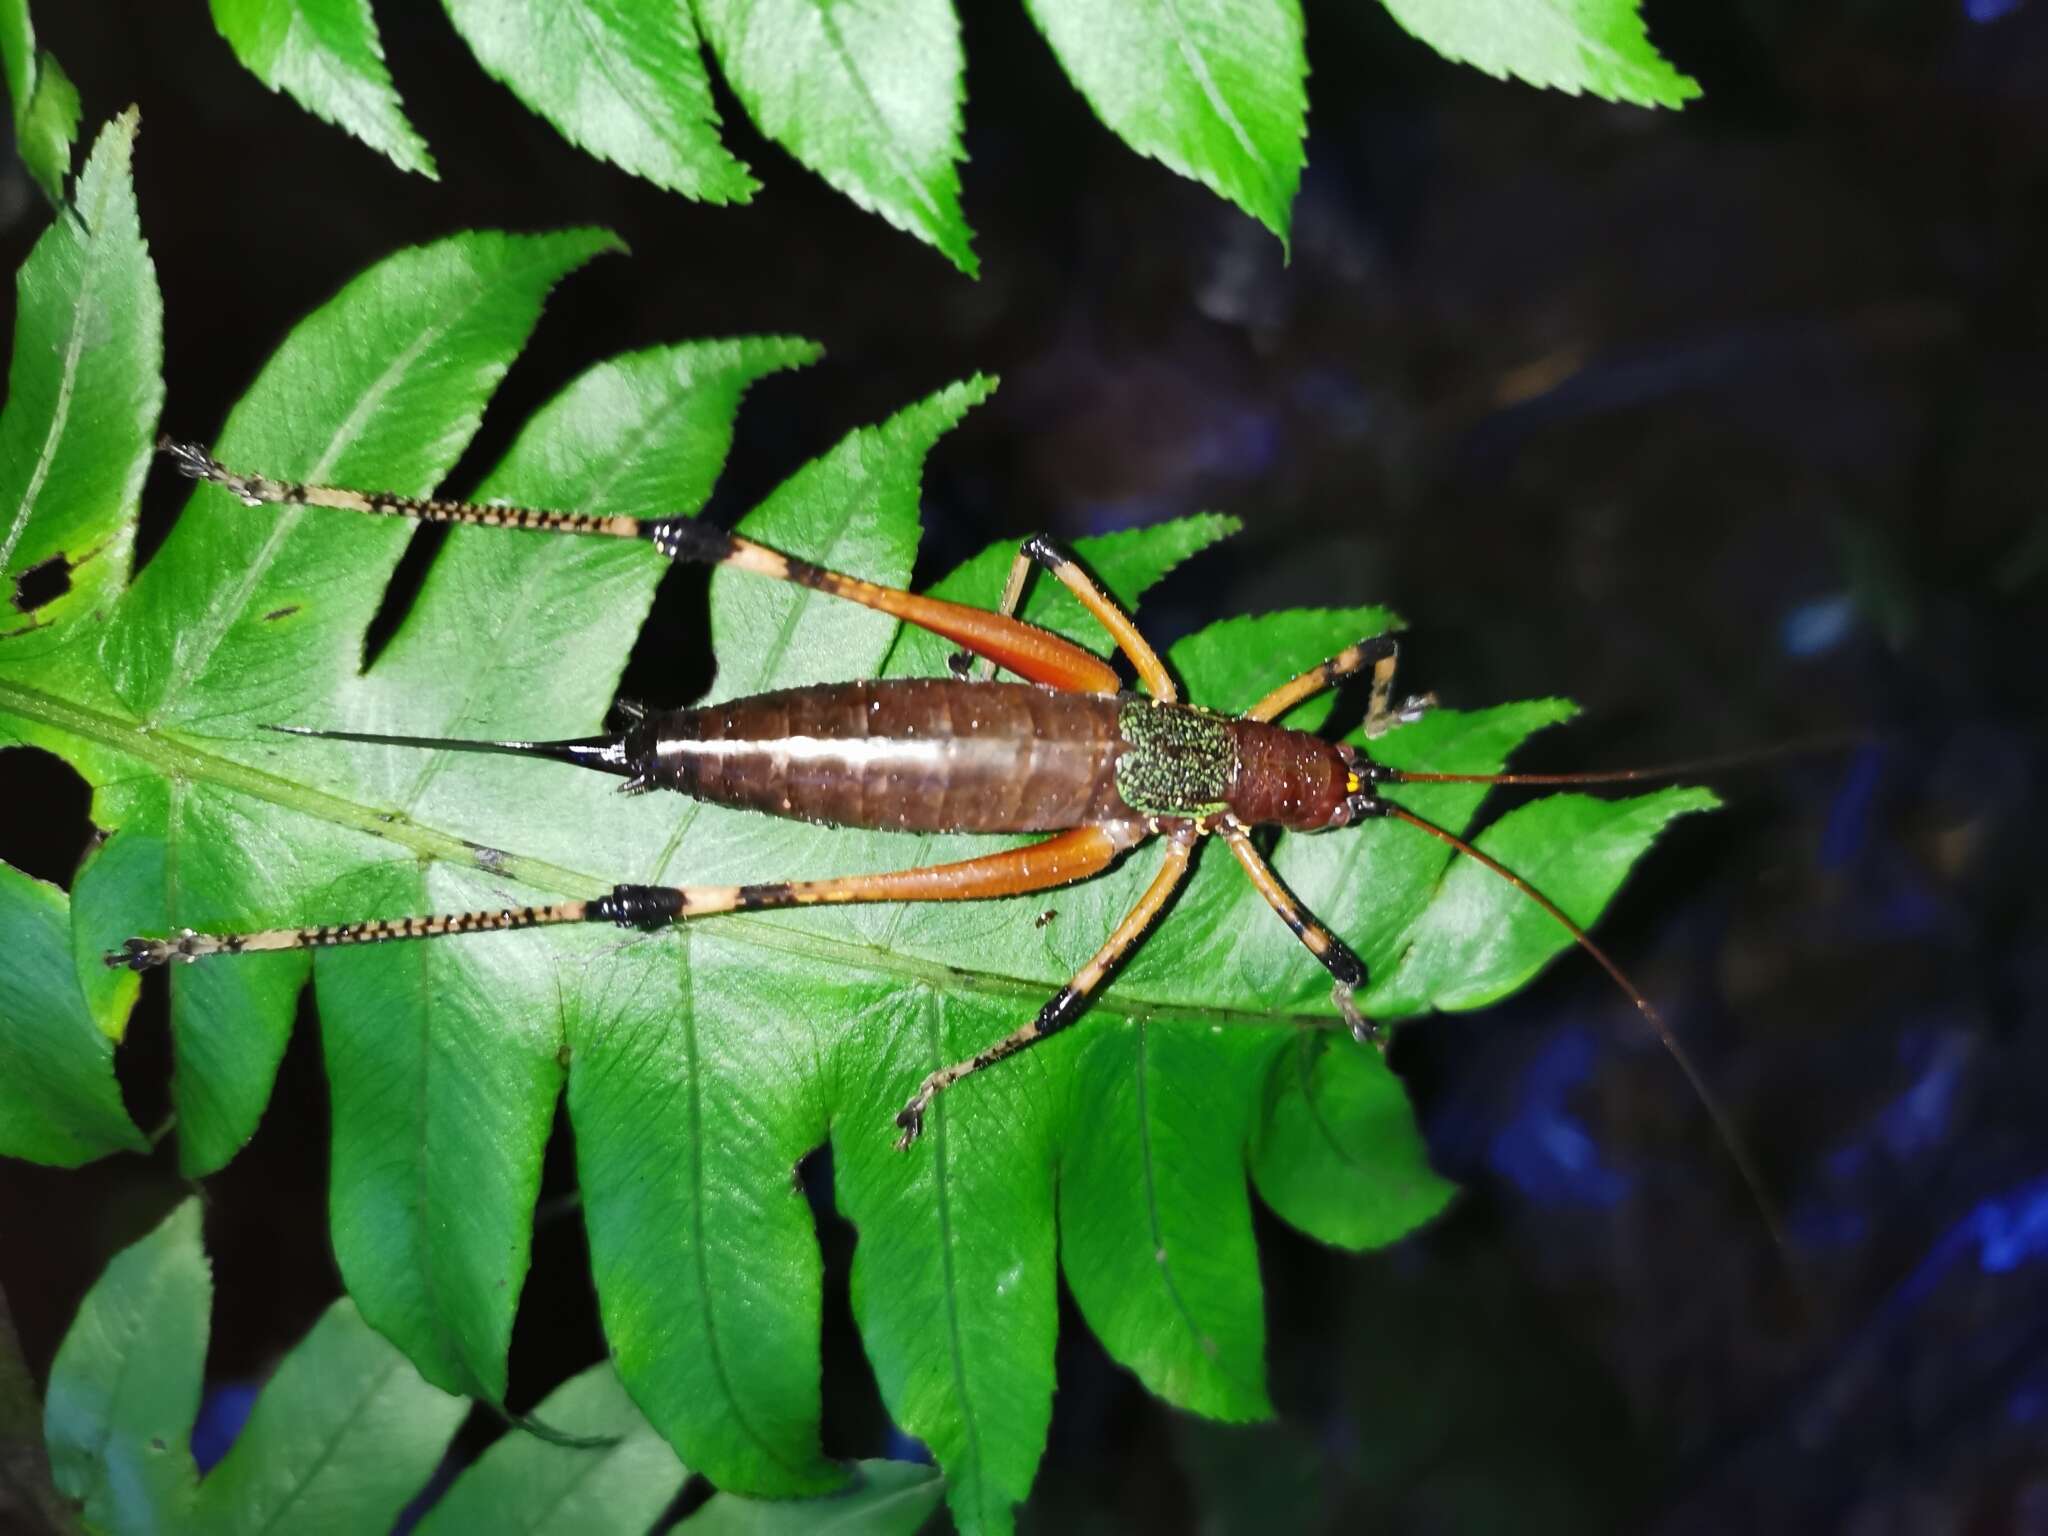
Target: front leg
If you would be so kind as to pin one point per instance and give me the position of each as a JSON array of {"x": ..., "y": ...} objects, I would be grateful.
[{"x": 1347, "y": 971}]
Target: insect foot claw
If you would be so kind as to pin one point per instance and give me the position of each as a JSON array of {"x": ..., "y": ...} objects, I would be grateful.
[
  {"x": 139, "y": 954},
  {"x": 960, "y": 663},
  {"x": 910, "y": 1119},
  {"x": 189, "y": 458},
  {"x": 1363, "y": 1030},
  {"x": 1414, "y": 707}
]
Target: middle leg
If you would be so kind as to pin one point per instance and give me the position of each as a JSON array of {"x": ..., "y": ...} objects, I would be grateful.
[
  {"x": 1040, "y": 551},
  {"x": 1067, "y": 1003}
]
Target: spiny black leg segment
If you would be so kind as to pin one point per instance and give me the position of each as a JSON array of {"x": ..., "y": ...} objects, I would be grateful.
[
  {"x": 1067, "y": 1003},
  {"x": 646, "y": 907},
  {"x": 687, "y": 539},
  {"x": 1347, "y": 971}
]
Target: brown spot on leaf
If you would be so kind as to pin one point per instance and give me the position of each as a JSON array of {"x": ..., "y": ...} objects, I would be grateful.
[{"x": 280, "y": 613}]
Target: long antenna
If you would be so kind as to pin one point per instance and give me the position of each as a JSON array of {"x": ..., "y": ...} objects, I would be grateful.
[
  {"x": 1827, "y": 742},
  {"x": 1738, "y": 1149}
]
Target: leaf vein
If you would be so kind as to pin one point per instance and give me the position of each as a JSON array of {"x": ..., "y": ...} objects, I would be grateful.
[
  {"x": 905, "y": 172},
  {"x": 693, "y": 1111},
  {"x": 67, "y": 378},
  {"x": 1161, "y": 1261},
  {"x": 1211, "y": 92},
  {"x": 950, "y": 1282},
  {"x": 330, "y": 1447}
]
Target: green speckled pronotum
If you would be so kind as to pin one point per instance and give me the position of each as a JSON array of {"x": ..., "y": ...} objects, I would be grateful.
[{"x": 1067, "y": 751}]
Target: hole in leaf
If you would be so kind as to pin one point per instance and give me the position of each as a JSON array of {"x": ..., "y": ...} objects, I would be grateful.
[
  {"x": 42, "y": 584},
  {"x": 671, "y": 661},
  {"x": 856, "y": 1423},
  {"x": 400, "y": 591},
  {"x": 54, "y": 826}
]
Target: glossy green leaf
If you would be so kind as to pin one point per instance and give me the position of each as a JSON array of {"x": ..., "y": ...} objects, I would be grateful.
[
  {"x": 1338, "y": 1152},
  {"x": 254, "y": 615},
  {"x": 954, "y": 1282},
  {"x": 644, "y": 434},
  {"x": 868, "y": 97},
  {"x": 871, "y": 98},
  {"x": 17, "y": 55},
  {"x": 1480, "y": 939},
  {"x": 326, "y": 55},
  {"x": 43, "y": 99},
  {"x": 343, "y": 1437},
  {"x": 884, "y": 1498},
  {"x": 43, "y": 102},
  {"x": 1213, "y": 89},
  {"x": 524, "y": 1485},
  {"x": 59, "y": 1103},
  {"x": 703, "y": 1064},
  {"x": 1155, "y": 1219},
  {"x": 620, "y": 78},
  {"x": 83, "y": 391},
  {"x": 1597, "y": 46},
  {"x": 743, "y": 1394},
  {"x": 124, "y": 1388},
  {"x": 50, "y": 127}
]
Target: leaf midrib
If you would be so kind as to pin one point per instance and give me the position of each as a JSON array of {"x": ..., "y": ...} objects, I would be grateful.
[
  {"x": 176, "y": 759},
  {"x": 886, "y": 138},
  {"x": 700, "y": 1243},
  {"x": 394, "y": 1368},
  {"x": 93, "y": 265},
  {"x": 1212, "y": 93}
]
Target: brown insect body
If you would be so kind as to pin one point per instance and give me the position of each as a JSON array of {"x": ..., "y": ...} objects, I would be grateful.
[
  {"x": 909, "y": 754},
  {"x": 944, "y": 755}
]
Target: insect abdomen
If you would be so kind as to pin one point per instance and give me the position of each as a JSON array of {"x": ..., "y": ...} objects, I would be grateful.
[{"x": 914, "y": 754}]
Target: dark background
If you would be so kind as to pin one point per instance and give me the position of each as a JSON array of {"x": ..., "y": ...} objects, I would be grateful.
[{"x": 1727, "y": 423}]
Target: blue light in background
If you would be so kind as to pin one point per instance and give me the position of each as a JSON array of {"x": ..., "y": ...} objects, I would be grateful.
[
  {"x": 1544, "y": 1151},
  {"x": 904, "y": 1446},
  {"x": 1815, "y": 628},
  {"x": 2006, "y": 1231},
  {"x": 1849, "y": 812},
  {"x": 1918, "y": 1119},
  {"x": 222, "y": 1413},
  {"x": 2010, "y": 1230}
]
